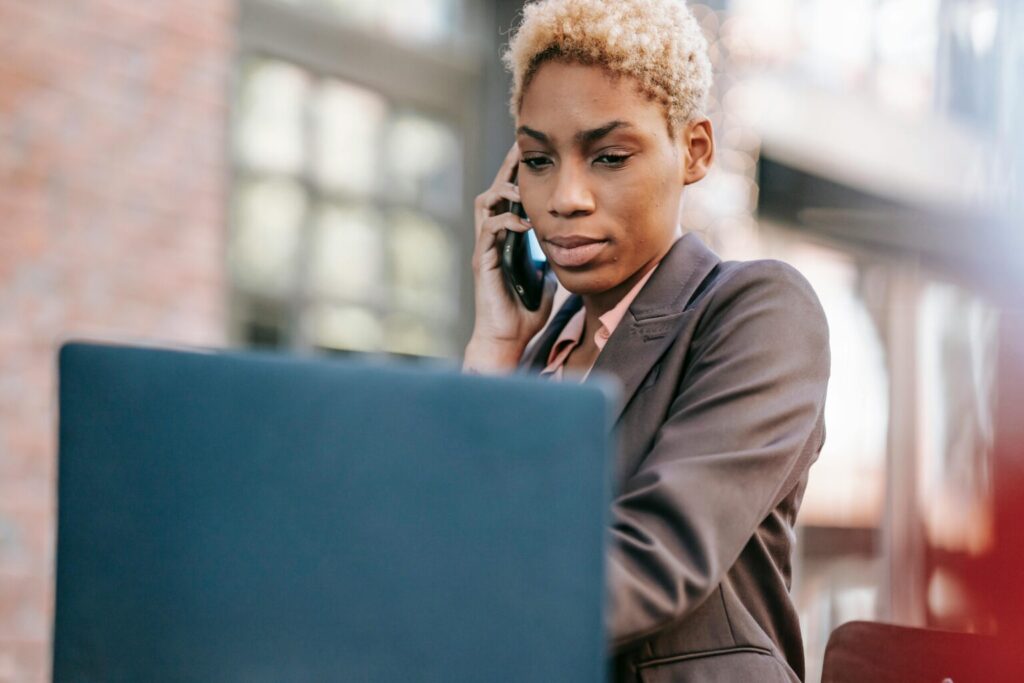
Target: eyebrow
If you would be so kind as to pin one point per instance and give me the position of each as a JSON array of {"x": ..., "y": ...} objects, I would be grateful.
[{"x": 584, "y": 137}]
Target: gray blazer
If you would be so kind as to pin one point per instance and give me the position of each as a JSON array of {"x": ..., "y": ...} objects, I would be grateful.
[{"x": 724, "y": 367}]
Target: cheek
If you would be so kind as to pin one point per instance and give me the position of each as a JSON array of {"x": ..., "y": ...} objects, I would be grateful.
[{"x": 639, "y": 214}]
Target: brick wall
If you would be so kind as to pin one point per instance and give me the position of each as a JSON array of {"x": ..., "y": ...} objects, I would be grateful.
[{"x": 112, "y": 223}]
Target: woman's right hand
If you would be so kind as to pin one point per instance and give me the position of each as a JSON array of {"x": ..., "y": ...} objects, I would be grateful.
[{"x": 503, "y": 326}]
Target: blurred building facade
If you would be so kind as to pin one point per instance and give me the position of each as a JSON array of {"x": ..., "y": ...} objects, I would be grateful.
[{"x": 299, "y": 174}]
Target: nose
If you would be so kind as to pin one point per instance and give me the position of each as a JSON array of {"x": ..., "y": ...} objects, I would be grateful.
[{"x": 571, "y": 195}]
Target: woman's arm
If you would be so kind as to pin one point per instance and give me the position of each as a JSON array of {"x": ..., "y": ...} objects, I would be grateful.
[{"x": 738, "y": 436}]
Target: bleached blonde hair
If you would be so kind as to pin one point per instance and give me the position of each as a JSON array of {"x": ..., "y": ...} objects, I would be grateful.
[{"x": 657, "y": 42}]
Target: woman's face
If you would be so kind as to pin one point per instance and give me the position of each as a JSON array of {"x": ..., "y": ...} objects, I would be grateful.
[{"x": 600, "y": 179}]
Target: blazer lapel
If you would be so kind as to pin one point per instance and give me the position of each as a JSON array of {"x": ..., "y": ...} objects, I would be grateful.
[
  {"x": 649, "y": 327},
  {"x": 655, "y": 316}
]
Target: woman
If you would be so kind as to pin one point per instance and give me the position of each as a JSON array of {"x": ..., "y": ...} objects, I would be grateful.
[{"x": 724, "y": 365}]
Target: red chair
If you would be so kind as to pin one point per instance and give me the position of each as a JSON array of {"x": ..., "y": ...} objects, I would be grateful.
[{"x": 863, "y": 651}]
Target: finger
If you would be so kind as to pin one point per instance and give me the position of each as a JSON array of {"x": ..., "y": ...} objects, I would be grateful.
[
  {"x": 510, "y": 189},
  {"x": 492, "y": 230},
  {"x": 503, "y": 192},
  {"x": 505, "y": 173},
  {"x": 486, "y": 250},
  {"x": 505, "y": 220},
  {"x": 490, "y": 199}
]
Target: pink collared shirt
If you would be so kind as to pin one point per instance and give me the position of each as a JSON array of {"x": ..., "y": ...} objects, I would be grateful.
[{"x": 572, "y": 333}]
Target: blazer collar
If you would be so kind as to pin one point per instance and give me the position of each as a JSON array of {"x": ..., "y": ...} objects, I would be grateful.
[{"x": 650, "y": 326}]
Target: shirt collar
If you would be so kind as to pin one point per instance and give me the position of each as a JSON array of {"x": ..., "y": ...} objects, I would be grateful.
[{"x": 611, "y": 318}]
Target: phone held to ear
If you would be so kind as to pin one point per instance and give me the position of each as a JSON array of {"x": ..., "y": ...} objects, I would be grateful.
[{"x": 524, "y": 274}]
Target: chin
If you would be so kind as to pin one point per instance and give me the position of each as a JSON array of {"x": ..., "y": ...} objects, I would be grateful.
[{"x": 587, "y": 281}]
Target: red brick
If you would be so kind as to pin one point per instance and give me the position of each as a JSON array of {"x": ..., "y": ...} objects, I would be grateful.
[{"x": 112, "y": 191}]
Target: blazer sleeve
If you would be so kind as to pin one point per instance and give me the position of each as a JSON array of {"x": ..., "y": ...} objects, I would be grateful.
[{"x": 733, "y": 443}]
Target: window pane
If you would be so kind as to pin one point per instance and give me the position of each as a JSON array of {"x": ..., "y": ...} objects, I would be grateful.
[
  {"x": 269, "y": 134},
  {"x": 343, "y": 327},
  {"x": 347, "y": 254},
  {"x": 424, "y": 164},
  {"x": 269, "y": 215},
  {"x": 423, "y": 269},
  {"x": 348, "y": 122}
]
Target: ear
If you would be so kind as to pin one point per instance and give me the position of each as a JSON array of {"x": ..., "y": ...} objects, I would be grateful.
[{"x": 699, "y": 140}]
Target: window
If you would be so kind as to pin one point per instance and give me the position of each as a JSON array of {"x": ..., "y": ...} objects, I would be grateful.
[{"x": 349, "y": 167}]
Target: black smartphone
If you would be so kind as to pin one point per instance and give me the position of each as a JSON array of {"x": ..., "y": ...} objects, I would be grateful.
[{"x": 524, "y": 274}]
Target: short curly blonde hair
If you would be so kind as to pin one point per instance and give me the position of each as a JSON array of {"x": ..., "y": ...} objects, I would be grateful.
[{"x": 657, "y": 42}]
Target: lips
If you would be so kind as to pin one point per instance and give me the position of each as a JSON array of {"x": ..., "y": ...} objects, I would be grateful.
[{"x": 573, "y": 251}]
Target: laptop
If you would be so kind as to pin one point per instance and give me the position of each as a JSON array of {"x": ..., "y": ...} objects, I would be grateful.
[{"x": 250, "y": 516}]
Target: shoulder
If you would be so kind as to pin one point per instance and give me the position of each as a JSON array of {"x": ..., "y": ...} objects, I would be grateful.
[
  {"x": 761, "y": 277},
  {"x": 762, "y": 280},
  {"x": 768, "y": 296}
]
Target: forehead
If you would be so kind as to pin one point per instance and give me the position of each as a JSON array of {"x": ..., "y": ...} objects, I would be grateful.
[{"x": 563, "y": 99}]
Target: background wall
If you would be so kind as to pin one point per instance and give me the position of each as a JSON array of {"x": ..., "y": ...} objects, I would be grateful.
[{"x": 112, "y": 205}]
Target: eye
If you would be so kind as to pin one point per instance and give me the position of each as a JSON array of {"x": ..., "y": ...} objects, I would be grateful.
[
  {"x": 614, "y": 160},
  {"x": 535, "y": 163}
]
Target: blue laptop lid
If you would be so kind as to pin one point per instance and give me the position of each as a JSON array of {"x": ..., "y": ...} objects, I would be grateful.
[{"x": 253, "y": 517}]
